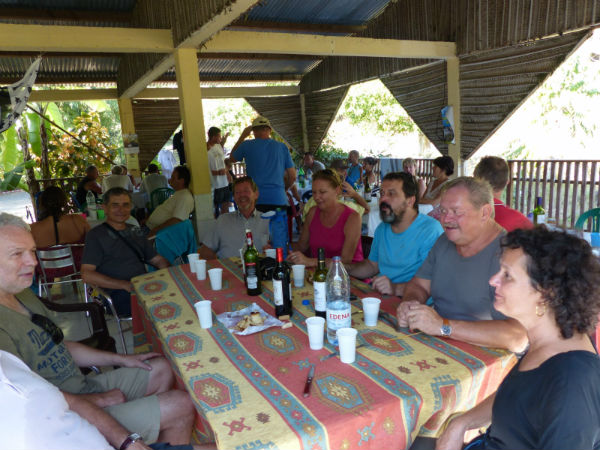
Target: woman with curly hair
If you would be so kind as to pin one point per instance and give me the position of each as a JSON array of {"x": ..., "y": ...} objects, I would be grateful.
[
  {"x": 53, "y": 225},
  {"x": 550, "y": 282}
]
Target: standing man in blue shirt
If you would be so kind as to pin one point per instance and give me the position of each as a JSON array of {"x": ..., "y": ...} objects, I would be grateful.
[
  {"x": 268, "y": 162},
  {"x": 402, "y": 241}
]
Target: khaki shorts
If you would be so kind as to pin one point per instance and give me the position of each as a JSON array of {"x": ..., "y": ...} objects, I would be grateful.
[{"x": 138, "y": 414}]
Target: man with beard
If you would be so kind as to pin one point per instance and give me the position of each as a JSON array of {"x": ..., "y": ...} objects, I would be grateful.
[
  {"x": 229, "y": 233},
  {"x": 457, "y": 271},
  {"x": 403, "y": 239}
]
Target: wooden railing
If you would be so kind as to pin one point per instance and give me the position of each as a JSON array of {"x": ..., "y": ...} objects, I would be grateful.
[{"x": 568, "y": 188}]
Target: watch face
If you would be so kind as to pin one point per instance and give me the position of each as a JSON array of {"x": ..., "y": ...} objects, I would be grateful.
[{"x": 446, "y": 330}]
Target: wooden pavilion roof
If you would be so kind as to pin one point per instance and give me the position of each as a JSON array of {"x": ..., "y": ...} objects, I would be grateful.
[{"x": 505, "y": 49}]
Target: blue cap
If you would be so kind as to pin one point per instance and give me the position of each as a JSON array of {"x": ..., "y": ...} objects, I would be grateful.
[{"x": 306, "y": 302}]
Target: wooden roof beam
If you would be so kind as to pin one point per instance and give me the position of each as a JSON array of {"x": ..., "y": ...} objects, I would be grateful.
[
  {"x": 305, "y": 44},
  {"x": 55, "y": 38},
  {"x": 67, "y": 95},
  {"x": 221, "y": 20}
]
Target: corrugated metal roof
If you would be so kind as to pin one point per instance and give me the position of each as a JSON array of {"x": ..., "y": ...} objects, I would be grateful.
[
  {"x": 84, "y": 5},
  {"x": 60, "y": 68},
  {"x": 339, "y": 12},
  {"x": 248, "y": 68}
]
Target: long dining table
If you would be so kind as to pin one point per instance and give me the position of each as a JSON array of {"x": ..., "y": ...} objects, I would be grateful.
[{"x": 248, "y": 389}]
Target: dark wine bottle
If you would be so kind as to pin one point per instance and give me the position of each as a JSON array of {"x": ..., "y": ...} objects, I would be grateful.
[
  {"x": 282, "y": 288},
  {"x": 252, "y": 274},
  {"x": 319, "y": 288}
]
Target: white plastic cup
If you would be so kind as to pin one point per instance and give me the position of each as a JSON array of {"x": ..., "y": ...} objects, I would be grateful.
[
  {"x": 200, "y": 269},
  {"x": 203, "y": 309},
  {"x": 216, "y": 279},
  {"x": 371, "y": 310},
  {"x": 191, "y": 258},
  {"x": 316, "y": 329},
  {"x": 347, "y": 342},
  {"x": 271, "y": 253},
  {"x": 298, "y": 271}
]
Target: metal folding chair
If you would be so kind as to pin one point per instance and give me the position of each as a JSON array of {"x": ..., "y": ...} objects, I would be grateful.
[
  {"x": 101, "y": 297},
  {"x": 57, "y": 262}
]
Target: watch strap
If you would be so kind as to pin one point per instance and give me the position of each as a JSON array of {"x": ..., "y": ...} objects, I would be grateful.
[{"x": 133, "y": 437}]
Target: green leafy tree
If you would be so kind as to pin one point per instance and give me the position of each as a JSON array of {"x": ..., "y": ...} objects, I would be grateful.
[{"x": 378, "y": 110}]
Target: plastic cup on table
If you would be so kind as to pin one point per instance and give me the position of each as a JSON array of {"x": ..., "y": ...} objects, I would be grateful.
[
  {"x": 271, "y": 253},
  {"x": 371, "y": 310},
  {"x": 100, "y": 214},
  {"x": 199, "y": 268},
  {"x": 203, "y": 309},
  {"x": 298, "y": 271},
  {"x": 216, "y": 279},
  {"x": 191, "y": 258},
  {"x": 347, "y": 342},
  {"x": 316, "y": 329}
]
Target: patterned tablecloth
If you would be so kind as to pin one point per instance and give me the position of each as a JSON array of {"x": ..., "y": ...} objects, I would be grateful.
[{"x": 248, "y": 389}]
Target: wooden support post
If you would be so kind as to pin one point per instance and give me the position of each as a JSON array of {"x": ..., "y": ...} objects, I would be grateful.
[
  {"x": 190, "y": 106},
  {"x": 128, "y": 129},
  {"x": 453, "y": 80},
  {"x": 303, "y": 120}
]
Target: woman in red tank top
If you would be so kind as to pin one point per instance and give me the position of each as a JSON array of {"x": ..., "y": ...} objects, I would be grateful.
[{"x": 330, "y": 224}]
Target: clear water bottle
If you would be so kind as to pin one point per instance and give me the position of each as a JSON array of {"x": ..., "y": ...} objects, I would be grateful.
[
  {"x": 338, "y": 300},
  {"x": 90, "y": 200}
]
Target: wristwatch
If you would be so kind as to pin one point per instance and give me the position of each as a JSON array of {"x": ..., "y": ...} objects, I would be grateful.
[
  {"x": 446, "y": 329},
  {"x": 133, "y": 437}
]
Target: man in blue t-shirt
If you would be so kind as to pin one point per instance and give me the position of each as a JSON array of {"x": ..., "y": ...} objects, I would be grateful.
[
  {"x": 268, "y": 162},
  {"x": 402, "y": 241}
]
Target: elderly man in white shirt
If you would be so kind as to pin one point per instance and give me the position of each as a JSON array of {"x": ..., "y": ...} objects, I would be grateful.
[{"x": 117, "y": 179}]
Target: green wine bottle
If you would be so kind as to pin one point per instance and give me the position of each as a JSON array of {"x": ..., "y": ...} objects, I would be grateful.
[
  {"x": 319, "y": 284},
  {"x": 252, "y": 273}
]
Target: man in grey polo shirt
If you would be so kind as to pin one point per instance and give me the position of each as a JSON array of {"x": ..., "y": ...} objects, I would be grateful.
[
  {"x": 457, "y": 271},
  {"x": 229, "y": 233}
]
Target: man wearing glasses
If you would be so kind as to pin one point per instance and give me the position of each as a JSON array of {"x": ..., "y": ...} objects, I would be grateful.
[{"x": 138, "y": 395}]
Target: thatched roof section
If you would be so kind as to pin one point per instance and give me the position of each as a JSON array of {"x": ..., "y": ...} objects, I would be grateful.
[
  {"x": 284, "y": 114},
  {"x": 321, "y": 109},
  {"x": 155, "y": 122},
  {"x": 505, "y": 47},
  {"x": 493, "y": 84}
]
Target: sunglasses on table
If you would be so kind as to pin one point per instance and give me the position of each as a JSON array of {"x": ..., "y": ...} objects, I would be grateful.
[{"x": 49, "y": 327}]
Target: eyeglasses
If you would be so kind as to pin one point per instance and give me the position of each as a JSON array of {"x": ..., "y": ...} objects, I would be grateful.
[{"x": 49, "y": 327}]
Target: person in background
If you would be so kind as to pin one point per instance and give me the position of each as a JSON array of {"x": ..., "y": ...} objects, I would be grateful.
[
  {"x": 117, "y": 179},
  {"x": 370, "y": 178},
  {"x": 89, "y": 183},
  {"x": 268, "y": 162},
  {"x": 177, "y": 207},
  {"x": 127, "y": 174},
  {"x": 330, "y": 224},
  {"x": 402, "y": 240},
  {"x": 229, "y": 232},
  {"x": 54, "y": 226},
  {"x": 153, "y": 180},
  {"x": 443, "y": 167},
  {"x": 409, "y": 165},
  {"x": 179, "y": 146},
  {"x": 550, "y": 282},
  {"x": 218, "y": 172},
  {"x": 311, "y": 165},
  {"x": 354, "y": 174},
  {"x": 456, "y": 271},
  {"x": 494, "y": 170}
]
